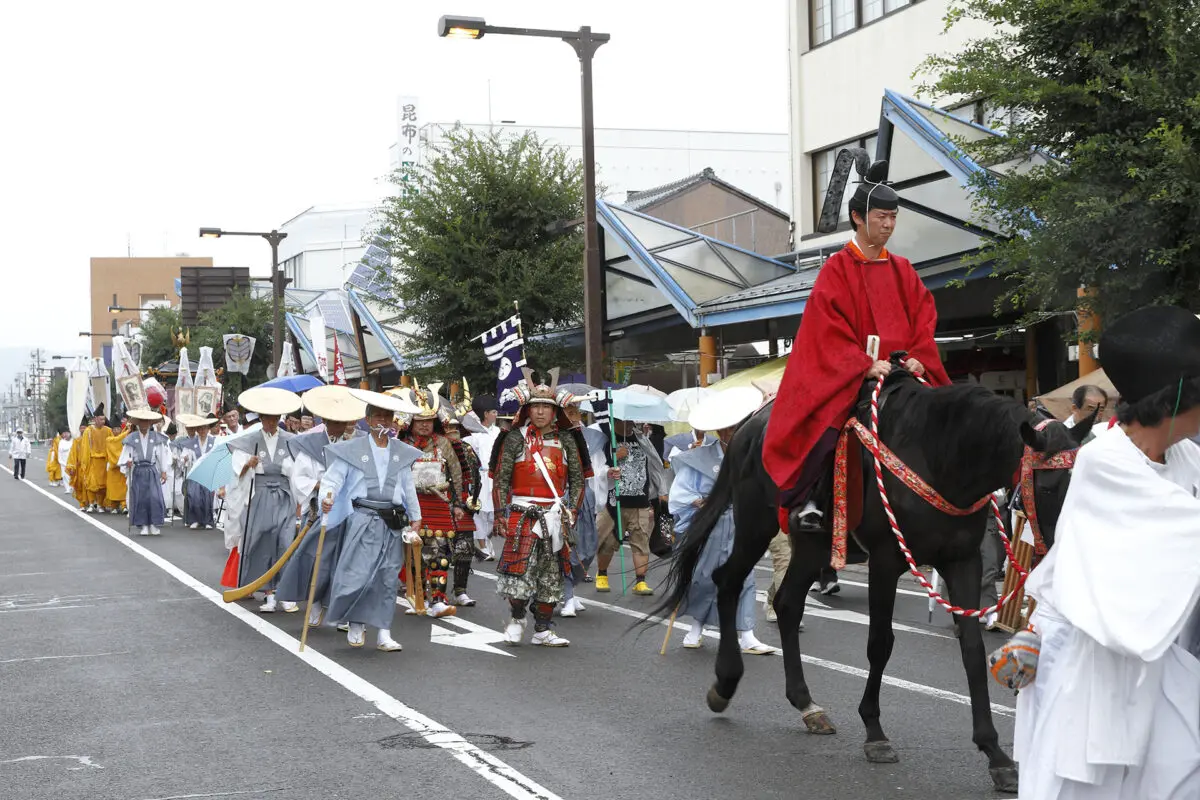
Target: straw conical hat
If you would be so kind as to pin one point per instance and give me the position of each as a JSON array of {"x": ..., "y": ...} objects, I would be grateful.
[
  {"x": 191, "y": 420},
  {"x": 143, "y": 414},
  {"x": 334, "y": 403},
  {"x": 725, "y": 409},
  {"x": 269, "y": 400},
  {"x": 394, "y": 403}
]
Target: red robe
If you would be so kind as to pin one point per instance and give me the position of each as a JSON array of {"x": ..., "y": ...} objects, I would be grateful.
[{"x": 853, "y": 298}]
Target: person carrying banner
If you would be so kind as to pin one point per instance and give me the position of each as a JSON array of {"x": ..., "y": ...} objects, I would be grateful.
[
  {"x": 199, "y": 442},
  {"x": 93, "y": 459},
  {"x": 116, "y": 484},
  {"x": 538, "y": 487}
]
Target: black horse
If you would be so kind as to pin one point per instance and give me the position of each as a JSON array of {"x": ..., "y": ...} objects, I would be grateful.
[{"x": 966, "y": 442}]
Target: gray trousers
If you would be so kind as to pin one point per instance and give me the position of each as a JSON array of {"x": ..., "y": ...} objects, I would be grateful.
[{"x": 991, "y": 550}]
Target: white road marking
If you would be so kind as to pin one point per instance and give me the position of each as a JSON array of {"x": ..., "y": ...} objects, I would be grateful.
[
  {"x": 84, "y": 761},
  {"x": 487, "y": 766},
  {"x": 899, "y": 683},
  {"x": 220, "y": 794},
  {"x": 815, "y": 608},
  {"x": 54, "y": 658},
  {"x": 844, "y": 582},
  {"x": 477, "y": 637}
]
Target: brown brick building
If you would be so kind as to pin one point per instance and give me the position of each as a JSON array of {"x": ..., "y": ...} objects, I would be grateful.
[{"x": 136, "y": 283}]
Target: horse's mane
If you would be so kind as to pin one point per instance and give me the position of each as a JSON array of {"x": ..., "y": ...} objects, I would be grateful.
[{"x": 969, "y": 435}]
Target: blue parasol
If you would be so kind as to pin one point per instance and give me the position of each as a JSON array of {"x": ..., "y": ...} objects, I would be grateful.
[
  {"x": 294, "y": 383},
  {"x": 215, "y": 468}
]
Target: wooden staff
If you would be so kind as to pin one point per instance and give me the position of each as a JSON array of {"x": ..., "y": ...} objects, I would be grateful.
[
  {"x": 312, "y": 584},
  {"x": 245, "y": 591},
  {"x": 670, "y": 627},
  {"x": 414, "y": 576}
]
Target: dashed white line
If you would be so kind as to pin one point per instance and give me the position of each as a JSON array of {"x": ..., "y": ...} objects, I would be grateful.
[{"x": 55, "y": 658}]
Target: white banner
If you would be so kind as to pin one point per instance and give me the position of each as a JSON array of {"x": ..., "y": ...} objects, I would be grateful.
[
  {"x": 316, "y": 332},
  {"x": 183, "y": 379},
  {"x": 205, "y": 374},
  {"x": 239, "y": 350},
  {"x": 286, "y": 366}
]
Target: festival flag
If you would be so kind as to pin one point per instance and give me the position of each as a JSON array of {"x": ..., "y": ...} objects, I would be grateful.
[
  {"x": 208, "y": 388},
  {"x": 286, "y": 365},
  {"x": 339, "y": 369},
  {"x": 504, "y": 346},
  {"x": 316, "y": 333},
  {"x": 185, "y": 392},
  {"x": 239, "y": 350}
]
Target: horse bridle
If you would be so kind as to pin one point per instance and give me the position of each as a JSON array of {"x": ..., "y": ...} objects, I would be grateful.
[{"x": 1032, "y": 461}]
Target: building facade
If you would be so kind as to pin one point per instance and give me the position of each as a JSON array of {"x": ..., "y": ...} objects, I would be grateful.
[
  {"x": 324, "y": 244},
  {"x": 633, "y": 160},
  {"x": 843, "y": 55},
  {"x": 132, "y": 283}
]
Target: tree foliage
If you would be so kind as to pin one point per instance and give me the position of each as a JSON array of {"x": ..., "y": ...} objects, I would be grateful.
[
  {"x": 1110, "y": 91},
  {"x": 155, "y": 336},
  {"x": 55, "y": 407},
  {"x": 478, "y": 234}
]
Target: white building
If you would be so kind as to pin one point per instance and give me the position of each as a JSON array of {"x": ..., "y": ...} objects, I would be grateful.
[
  {"x": 630, "y": 160},
  {"x": 324, "y": 244},
  {"x": 844, "y": 54}
]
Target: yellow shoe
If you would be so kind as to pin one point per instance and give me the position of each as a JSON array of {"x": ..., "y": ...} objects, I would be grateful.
[
  {"x": 602, "y": 583},
  {"x": 643, "y": 588}
]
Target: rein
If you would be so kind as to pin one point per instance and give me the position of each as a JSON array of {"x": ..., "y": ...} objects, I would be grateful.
[
  {"x": 884, "y": 457},
  {"x": 1030, "y": 462}
]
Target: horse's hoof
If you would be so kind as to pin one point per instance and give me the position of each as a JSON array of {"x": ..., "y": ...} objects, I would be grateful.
[
  {"x": 716, "y": 703},
  {"x": 881, "y": 752},
  {"x": 1004, "y": 778},
  {"x": 817, "y": 722}
]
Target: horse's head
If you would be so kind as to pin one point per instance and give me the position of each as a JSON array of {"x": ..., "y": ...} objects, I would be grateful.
[{"x": 1052, "y": 447}]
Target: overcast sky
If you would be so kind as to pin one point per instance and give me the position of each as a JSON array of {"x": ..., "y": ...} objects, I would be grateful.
[{"x": 128, "y": 125}]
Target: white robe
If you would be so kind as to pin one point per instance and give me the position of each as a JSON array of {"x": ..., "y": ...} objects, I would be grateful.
[
  {"x": 1114, "y": 713},
  {"x": 64, "y": 453}
]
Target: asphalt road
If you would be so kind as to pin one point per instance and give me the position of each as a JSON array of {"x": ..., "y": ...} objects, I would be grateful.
[{"x": 124, "y": 676}]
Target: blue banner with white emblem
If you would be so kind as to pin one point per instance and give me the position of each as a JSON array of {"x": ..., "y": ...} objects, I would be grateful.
[{"x": 504, "y": 347}]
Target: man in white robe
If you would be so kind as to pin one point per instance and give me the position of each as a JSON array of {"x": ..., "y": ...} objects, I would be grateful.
[
  {"x": 481, "y": 424},
  {"x": 1114, "y": 710}
]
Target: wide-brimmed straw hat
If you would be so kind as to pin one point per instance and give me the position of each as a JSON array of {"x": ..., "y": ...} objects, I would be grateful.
[
  {"x": 191, "y": 420},
  {"x": 334, "y": 403},
  {"x": 393, "y": 403},
  {"x": 725, "y": 409},
  {"x": 143, "y": 414},
  {"x": 269, "y": 400}
]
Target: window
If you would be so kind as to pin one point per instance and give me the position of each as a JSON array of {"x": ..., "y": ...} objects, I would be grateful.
[
  {"x": 832, "y": 18},
  {"x": 822, "y": 166}
]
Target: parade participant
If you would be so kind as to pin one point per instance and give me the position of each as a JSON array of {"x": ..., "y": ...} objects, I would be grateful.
[
  {"x": 695, "y": 474},
  {"x": 439, "y": 482},
  {"x": 116, "y": 486},
  {"x": 18, "y": 452},
  {"x": 232, "y": 421},
  {"x": 862, "y": 291},
  {"x": 94, "y": 461},
  {"x": 65, "y": 444},
  {"x": 54, "y": 469},
  {"x": 339, "y": 410},
  {"x": 144, "y": 460},
  {"x": 481, "y": 424},
  {"x": 77, "y": 466},
  {"x": 306, "y": 423},
  {"x": 463, "y": 546},
  {"x": 369, "y": 487},
  {"x": 586, "y": 538},
  {"x": 538, "y": 485},
  {"x": 1114, "y": 709},
  {"x": 199, "y": 442},
  {"x": 643, "y": 477},
  {"x": 264, "y": 510}
]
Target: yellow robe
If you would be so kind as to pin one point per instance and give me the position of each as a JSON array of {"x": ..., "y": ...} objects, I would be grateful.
[
  {"x": 95, "y": 460},
  {"x": 53, "y": 468},
  {"x": 75, "y": 470},
  {"x": 117, "y": 486}
]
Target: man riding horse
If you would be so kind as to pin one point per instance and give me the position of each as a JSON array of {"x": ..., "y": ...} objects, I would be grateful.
[{"x": 867, "y": 303}]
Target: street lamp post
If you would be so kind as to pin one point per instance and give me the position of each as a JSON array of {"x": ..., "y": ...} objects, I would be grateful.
[
  {"x": 278, "y": 282},
  {"x": 585, "y": 43}
]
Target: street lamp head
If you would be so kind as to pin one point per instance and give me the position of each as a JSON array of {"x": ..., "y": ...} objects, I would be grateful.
[
  {"x": 210, "y": 233},
  {"x": 461, "y": 27},
  {"x": 114, "y": 309}
]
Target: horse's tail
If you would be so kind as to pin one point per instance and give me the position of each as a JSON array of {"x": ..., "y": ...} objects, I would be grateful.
[{"x": 688, "y": 549}]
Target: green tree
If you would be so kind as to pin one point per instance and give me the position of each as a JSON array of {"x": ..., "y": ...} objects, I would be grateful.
[
  {"x": 1108, "y": 89},
  {"x": 242, "y": 314},
  {"x": 55, "y": 408},
  {"x": 473, "y": 231},
  {"x": 155, "y": 336}
]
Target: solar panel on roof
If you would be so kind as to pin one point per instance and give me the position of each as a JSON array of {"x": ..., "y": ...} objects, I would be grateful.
[{"x": 334, "y": 311}]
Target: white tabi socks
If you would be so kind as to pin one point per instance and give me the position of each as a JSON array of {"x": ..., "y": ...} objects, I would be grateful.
[
  {"x": 269, "y": 606},
  {"x": 386, "y": 643},
  {"x": 694, "y": 639},
  {"x": 316, "y": 616},
  {"x": 356, "y": 635},
  {"x": 145, "y": 531},
  {"x": 289, "y": 607}
]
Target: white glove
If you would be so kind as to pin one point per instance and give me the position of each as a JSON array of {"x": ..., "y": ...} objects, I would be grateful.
[{"x": 410, "y": 536}]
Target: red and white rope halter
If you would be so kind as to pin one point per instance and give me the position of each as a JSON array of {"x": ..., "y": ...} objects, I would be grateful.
[{"x": 881, "y": 454}]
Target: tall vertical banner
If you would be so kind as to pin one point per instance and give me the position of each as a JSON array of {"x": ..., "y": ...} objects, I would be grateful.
[
  {"x": 505, "y": 349},
  {"x": 185, "y": 390},
  {"x": 316, "y": 333},
  {"x": 101, "y": 388},
  {"x": 286, "y": 365},
  {"x": 339, "y": 369},
  {"x": 208, "y": 388},
  {"x": 128, "y": 377},
  {"x": 77, "y": 393}
]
